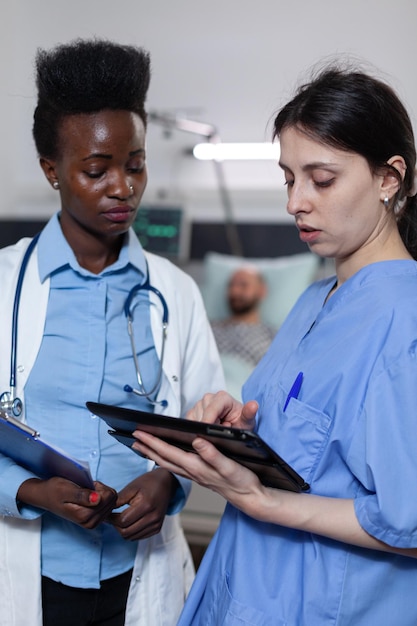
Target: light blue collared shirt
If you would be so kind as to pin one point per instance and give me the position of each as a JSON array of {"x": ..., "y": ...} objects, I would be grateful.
[{"x": 86, "y": 355}]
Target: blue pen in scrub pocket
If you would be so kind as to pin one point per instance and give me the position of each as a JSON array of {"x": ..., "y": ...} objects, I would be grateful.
[{"x": 295, "y": 389}]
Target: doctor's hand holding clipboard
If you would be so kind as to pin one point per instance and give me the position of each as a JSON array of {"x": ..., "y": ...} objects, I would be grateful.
[
  {"x": 62, "y": 485},
  {"x": 85, "y": 507}
]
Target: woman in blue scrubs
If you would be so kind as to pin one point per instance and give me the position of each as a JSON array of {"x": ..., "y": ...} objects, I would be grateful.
[{"x": 344, "y": 553}]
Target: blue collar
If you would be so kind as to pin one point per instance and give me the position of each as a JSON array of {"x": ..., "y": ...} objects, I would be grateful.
[{"x": 54, "y": 252}]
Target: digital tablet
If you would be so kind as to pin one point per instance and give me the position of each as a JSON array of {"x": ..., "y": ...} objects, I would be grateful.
[{"x": 243, "y": 446}]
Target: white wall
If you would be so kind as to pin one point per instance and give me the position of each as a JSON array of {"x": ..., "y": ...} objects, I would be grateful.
[{"x": 227, "y": 62}]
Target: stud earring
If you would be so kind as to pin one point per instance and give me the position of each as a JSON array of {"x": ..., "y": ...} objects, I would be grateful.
[
  {"x": 386, "y": 202},
  {"x": 55, "y": 184}
]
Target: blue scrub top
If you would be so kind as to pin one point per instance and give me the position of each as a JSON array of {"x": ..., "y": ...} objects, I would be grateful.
[{"x": 351, "y": 433}]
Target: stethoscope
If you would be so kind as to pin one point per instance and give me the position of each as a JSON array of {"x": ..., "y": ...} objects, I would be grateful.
[
  {"x": 142, "y": 391},
  {"x": 13, "y": 405}
]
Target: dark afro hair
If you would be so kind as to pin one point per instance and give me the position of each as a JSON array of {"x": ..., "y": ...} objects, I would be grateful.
[{"x": 86, "y": 76}]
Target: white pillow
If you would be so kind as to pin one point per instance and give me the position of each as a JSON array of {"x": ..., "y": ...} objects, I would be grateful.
[{"x": 286, "y": 277}]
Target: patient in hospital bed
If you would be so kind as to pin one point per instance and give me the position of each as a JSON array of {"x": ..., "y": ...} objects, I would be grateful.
[
  {"x": 247, "y": 301},
  {"x": 243, "y": 334}
]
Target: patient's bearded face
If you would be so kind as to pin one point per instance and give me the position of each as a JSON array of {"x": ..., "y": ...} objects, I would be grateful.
[{"x": 245, "y": 291}]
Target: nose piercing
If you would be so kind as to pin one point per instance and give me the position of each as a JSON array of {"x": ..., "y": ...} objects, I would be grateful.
[{"x": 131, "y": 188}]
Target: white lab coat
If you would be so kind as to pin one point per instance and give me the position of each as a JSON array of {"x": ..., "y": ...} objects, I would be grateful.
[{"x": 163, "y": 569}]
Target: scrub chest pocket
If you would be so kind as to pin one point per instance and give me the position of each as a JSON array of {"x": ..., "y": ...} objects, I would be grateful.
[{"x": 300, "y": 434}]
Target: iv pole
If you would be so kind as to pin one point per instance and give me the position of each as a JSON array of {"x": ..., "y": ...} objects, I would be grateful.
[{"x": 210, "y": 133}]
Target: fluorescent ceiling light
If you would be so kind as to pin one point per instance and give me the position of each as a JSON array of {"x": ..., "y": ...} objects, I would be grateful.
[{"x": 236, "y": 151}]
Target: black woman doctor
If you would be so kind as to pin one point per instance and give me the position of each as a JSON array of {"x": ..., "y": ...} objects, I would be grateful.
[{"x": 108, "y": 555}]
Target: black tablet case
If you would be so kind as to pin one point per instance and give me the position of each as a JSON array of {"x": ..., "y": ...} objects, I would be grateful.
[{"x": 244, "y": 446}]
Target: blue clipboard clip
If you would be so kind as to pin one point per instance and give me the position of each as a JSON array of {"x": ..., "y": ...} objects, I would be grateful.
[{"x": 295, "y": 389}]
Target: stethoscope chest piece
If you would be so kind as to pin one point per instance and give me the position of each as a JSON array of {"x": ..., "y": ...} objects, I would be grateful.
[{"x": 12, "y": 406}]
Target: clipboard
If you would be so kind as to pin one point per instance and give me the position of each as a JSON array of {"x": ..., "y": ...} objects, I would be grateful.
[
  {"x": 243, "y": 446},
  {"x": 24, "y": 445}
]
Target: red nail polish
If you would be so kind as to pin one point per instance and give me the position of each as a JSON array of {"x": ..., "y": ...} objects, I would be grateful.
[{"x": 93, "y": 497}]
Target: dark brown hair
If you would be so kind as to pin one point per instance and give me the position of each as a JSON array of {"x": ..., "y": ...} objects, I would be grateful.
[{"x": 353, "y": 111}]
